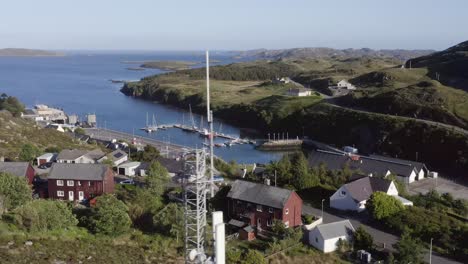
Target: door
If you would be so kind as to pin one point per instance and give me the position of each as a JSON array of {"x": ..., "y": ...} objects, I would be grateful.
[
  {"x": 80, "y": 195},
  {"x": 70, "y": 195}
]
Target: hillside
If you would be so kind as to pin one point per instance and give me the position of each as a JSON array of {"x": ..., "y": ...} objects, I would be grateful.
[
  {"x": 15, "y": 52},
  {"x": 168, "y": 65},
  {"x": 310, "y": 53},
  {"x": 448, "y": 66},
  {"x": 16, "y": 131}
]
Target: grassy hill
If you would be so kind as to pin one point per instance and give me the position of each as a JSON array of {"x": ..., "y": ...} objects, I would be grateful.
[
  {"x": 16, "y": 52},
  {"x": 451, "y": 65},
  {"x": 16, "y": 131}
]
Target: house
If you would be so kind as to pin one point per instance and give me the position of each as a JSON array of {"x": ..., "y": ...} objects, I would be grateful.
[
  {"x": 117, "y": 157},
  {"x": 345, "y": 85},
  {"x": 80, "y": 156},
  {"x": 299, "y": 92},
  {"x": 173, "y": 166},
  {"x": 130, "y": 168},
  {"x": 76, "y": 182},
  {"x": 354, "y": 195},
  {"x": 325, "y": 237},
  {"x": 20, "y": 169},
  {"x": 258, "y": 205},
  {"x": 282, "y": 80},
  {"x": 45, "y": 158},
  {"x": 372, "y": 165}
]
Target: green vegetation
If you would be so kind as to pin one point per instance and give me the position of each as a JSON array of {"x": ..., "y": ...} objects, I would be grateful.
[
  {"x": 148, "y": 154},
  {"x": 441, "y": 203},
  {"x": 156, "y": 179},
  {"x": 29, "y": 152},
  {"x": 409, "y": 250},
  {"x": 381, "y": 205},
  {"x": 11, "y": 104},
  {"x": 363, "y": 240},
  {"x": 14, "y": 192},
  {"x": 44, "y": 215},
  {"x": 109, "y": 216},
  {"x": 168, "y": 65}
]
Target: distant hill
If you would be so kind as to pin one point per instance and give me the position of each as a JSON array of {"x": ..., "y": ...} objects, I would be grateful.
[
  {"x": 304, "y": 53},
  {"x": 29, "y": 53},
  {"x": 450, "y": 66}
]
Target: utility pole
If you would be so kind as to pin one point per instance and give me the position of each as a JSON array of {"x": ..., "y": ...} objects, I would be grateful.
[
  {"x": 275, "y": 178},
  {"x": 209, "y": 114},
  {"x": 430, "y": 252},
  {"x": 323, "y": 200}
]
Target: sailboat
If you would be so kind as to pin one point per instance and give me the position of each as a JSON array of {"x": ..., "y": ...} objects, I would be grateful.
[
  {"x": 193, "y": 127},
  {"x": 150, "y": 128}
]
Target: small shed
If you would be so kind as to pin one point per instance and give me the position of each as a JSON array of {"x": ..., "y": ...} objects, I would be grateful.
[
  {"x": 47, "y": 157},
  {"x": 247, "y": 233},
  {"x": 128, "y": 168}
]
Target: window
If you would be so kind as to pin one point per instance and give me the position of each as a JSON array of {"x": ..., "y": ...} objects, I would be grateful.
[
  {"x": 316, "y": 239},
  {"x": 286, "y": 224},
  {"x": 259, "y": 208},
  {"x": 343, "y": 193},
  {"x": 89, "y": 183},
  {"x": 79, "y": 183},
  {"x": 60, "y": 193},
  {"x": 70, "y": 183},
  {"x": 269, "y": 222},
  {"x": 286, "y": 211},
  {"x": 270, "y": 210},
  {"x": 59, "y": 182}
]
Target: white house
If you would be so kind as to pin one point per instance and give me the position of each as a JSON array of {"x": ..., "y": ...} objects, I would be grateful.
[
  {"x": 80, "y": 156},
  {"x": 346, "y": 85},
  {"x": 299, "y": 92},
  {"x": 117, "y": 157},
  {"x": 326, "y": 236},
  {"x": 129, "y": 168},
  {"x": 354, "y": 195},
  {"x": 47, "y": 157}
]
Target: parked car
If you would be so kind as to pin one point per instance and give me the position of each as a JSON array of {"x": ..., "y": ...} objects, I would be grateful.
[
  {"x": 129, "y": 181},
  {"x": 45, "y": 165}
]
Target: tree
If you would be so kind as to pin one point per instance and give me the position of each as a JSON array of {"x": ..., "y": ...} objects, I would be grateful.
[
  {"x": 233, "y": 256},
  {"x": 80, "y": 131},
  {"x": 170, "y": 220},
  {"x": 148, "y": 154},
  {"x": 381, "y": 205},
  {"x": 43, "y": 215},
  {"x": 253, "y": 257},
  {"x": 278, "y": 228},
  {"x": 15, "y": 191},
  {"x": 302, "y": 179},
  {"x": 110, "y": 216},
  {"x": 29, "y": 152},
  {"x": 157, "y": 178},
  {"x": 362, "y": 239},
  {"x": 409, "y": 249}
]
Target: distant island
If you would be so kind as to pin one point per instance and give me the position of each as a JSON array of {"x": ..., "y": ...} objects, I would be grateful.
[
  {"x": 168, "y": 65},
  {"x": 14, "y": 52}
]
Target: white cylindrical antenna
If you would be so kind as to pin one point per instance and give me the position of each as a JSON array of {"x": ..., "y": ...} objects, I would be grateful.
[
  {"x": 209, "y": 114},
  {"x": 219, "y": 238},
  {"x": 208, "y": 85}
]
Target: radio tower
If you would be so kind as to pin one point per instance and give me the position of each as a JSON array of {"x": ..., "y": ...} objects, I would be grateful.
[
  {"x": 209, "y": 115},
  {"x": 195, "y": 189}
]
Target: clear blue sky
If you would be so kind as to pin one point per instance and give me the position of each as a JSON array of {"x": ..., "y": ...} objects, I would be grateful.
[{"x": 235, "y": 24}]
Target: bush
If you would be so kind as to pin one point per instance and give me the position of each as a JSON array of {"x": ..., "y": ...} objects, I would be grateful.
[
  {"x": 28, "y": 152},
  {"x": 109, "y": 217},
  {"x": 363, "y": 240},
  {"x": 253, "y": 257},
  {"x": 14, "y": 191},
  {"x": 43, "y": 215},
  {"x": 381, "y": 205}
]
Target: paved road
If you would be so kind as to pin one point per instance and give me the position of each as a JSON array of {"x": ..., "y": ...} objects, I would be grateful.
[
  {"x": 172, "y": 150},
  {"x": 378, "y": 235}
]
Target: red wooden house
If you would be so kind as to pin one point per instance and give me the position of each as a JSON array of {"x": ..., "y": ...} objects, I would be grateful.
[
  {"x": 76, "y": 182},
  {"x": 20, "y": 169},
  {"x": 258, "y": 205}
]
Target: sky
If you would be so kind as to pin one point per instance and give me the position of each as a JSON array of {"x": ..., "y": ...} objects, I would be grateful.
[{"x": 231, "y": 25}]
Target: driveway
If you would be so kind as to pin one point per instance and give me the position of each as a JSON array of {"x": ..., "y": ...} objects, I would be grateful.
[
  {"x": 380, "y": 237},
  {"x": 441, "y": 185}
]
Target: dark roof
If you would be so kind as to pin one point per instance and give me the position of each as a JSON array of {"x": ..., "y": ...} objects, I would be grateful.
[
  {"x": 172, "y": 165},
  {"x": 417, "y": 165},
  {"x": 363, "y": 188},
  {"x": 249, "y": 229},
  {"x": 71, "y": 154},
  {"x": 375, "y": 165},
  {"x": 14, "y": 168},
  {"x": 69, "y": 171},
  {"x": 236, "y": 223},
  {"x": 117, "y": 154},
  {"x": 335, "y": 229},
  {"x": 259, "y": 194}
]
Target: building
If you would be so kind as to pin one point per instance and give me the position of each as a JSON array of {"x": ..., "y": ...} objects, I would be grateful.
[
  {"x": 299, "y": 92},
  {"x": 345, "y": 85},
  {"x": 325, "y": 237},
  {"x": 45, "y": 113},
  {"x": 354, "y": 195},
  {"x": 282, "y": 80},
  {"x": 20, "y": 169},
  {"x": 258, "y": 205},
  {"x": 45, "y": 158},
  {"x": 72, "y": 119},
  {"x": 372, "y": 165},
  {"x": 80, "y": 156},
  {"x": 76, "y": 182},
  {"x": 130, "y": 168},
  {"x": 117, "y": 157}
]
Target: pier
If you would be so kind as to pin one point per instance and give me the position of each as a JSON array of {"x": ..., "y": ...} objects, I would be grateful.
[{"x": 281, "y": 144}]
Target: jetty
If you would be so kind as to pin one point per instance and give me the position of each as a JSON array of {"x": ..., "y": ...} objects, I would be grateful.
[{"x": 281, "y": 145}]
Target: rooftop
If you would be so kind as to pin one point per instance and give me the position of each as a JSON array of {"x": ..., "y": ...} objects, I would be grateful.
[
  {"x": 78, "y": 171},
  {"x": 14, "y": 168},
  {"x": 335, "y": 229},
  {"x": 259, "y": 193},
  {"x": 363, "y": 188}
]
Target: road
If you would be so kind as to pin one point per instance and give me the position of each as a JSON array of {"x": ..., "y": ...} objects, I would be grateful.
[
  {"x": 379, "y": 236},
  {"x": 172, "y": 150}
]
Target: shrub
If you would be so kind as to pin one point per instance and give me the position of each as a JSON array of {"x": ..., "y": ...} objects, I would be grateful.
[
  {"x": 29, "y": 152},
  {"x": 253, "y": 257},
  {"x": 362, "y": 239},
  {"x": 381, "y": 205},
  {"x": 14, "y": 191},
  {"x": 109, "y": 217},
  {"x": 43, "y": 215}
]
